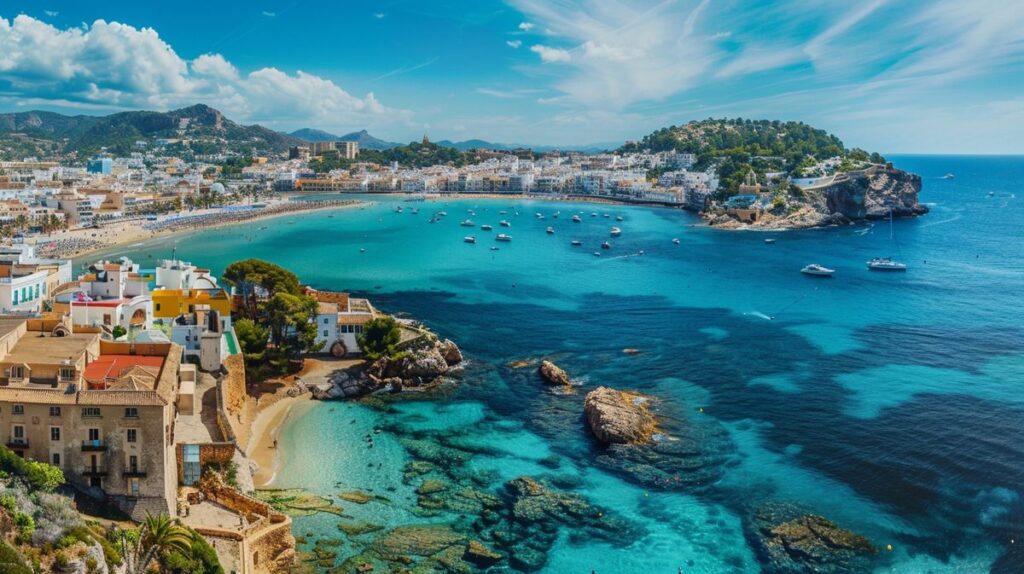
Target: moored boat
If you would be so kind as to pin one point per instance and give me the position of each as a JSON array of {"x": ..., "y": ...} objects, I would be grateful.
[
  {"x": 504, "y": 223},
  {"x": 469, "y": 239},
  {"x": 817, "y": 270},
  {"x": 886, "y": 264},
  {"x": 576, "y": 242},
  {"x": 606, "y": 245},
  {"x": 676, "y": 241},
  {"x": 503, "y": 237},
  {"x": 769, "y": 241},
  {"x": 486, "y": 227},
  {"x": 616, "y": 232},
  {"x": 576, "y": 219},
  {"x": 467, "y": 223},
  {"x": 550, "y": 230}
]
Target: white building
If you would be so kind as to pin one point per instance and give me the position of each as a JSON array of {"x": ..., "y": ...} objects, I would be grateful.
[{"x": 177, "y": 274}]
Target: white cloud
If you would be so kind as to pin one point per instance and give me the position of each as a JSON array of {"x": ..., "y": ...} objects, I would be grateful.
[
  {"x": 526, "y": 26},
  {"x": 379, "y": 15},
  {"x": 268, "y": 14},
  {"x": 549, "y": 55},
  {"x": 118, "y": 66},
  {"x": 514, "y": 43},
  {"x": 51, "y": 13}
]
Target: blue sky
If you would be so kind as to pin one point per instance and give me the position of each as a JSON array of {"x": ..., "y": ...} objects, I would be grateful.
[{"x": 939, "y": 76}]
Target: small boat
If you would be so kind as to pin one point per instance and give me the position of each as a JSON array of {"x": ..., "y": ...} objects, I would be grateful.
[
  {"x": 886, "y": 264},
  {"x": 949, "y": 176},
  {"x": 676, "y": 241},
  {"x": 441, "y": 213},
  {"x": 467, "y": 223},
  {"x": 331, "y": 216},
  {"x": 469, "y": 239},
  {"x": 398, "y": 209},
  {"x": 504, "y": 223},
  {"x": 485, "y": 227},
  {"x": 606, "y": 245},
  {"x": 433, "y": 220},
  {"x": 641, "y": 252},
  {"x": 817, "y": 270},
  {"x": 264, "y": 227},
  {"x": 576, "y": 219},
  {"x": 593, "y": 214},
  {"x": 494, "y": 248},
  {"x": 539, "y": 215},
  {"x": 415, "y": 211},
  {"x": 576, "y": 242},
  {"x": 616, "y": 232},
  {"x": 606, "y": 216},
  {"x": 550, "y": 230},
  {"x": 597, "y": 254},
  {"x": 471, "y": 212},
  {"x": 556, "y": 214},
  {"x": 619, "y": 218},
  {"x": 503, "y": 237},
  {"x": 769, "y": 241},
  {"x": 502, "y": 212},
  {"x": 362, "y": 250}
]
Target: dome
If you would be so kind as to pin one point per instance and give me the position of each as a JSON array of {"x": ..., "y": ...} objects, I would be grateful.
[{"x": 217, "y": 188}]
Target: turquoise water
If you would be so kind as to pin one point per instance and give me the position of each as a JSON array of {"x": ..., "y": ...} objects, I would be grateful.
[{"x": 890, "y": 403}]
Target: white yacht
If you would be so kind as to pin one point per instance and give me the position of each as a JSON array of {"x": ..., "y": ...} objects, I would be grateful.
[
  {"x": 550, "y": 230},
  {"x": 606, "y": 245},
  {"x": 619, "y": 218},
  {"x": 769, "y": 241},
  {"x": 469, "y": 239},
  {"x": 616, "y": 232},
  {"x": 467, "y": 223},
  {"x": 576, "y": 242},
  {"x": 576, "y": 219},
  {"x": 504, "y": 223},
  {"x": 886, "y": 264},
  {"x": 676, "y": 241},
  {"x": 485, "y": 227},
  {"x": 817, "y": 270},
  {"x": 503, "y": 237}
]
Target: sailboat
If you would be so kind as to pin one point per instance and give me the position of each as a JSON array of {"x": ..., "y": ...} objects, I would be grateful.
[{"x": 887, "y": 263}]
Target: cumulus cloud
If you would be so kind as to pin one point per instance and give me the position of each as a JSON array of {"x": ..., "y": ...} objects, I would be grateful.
[
  {"x": 526, "y": 26},
  {"x": 548, "y": 54},
  {"x": 51, "y": 13},
  {"x": 268, "y": 14},
  {"x": 514, "y": 43},
  {"x": 113, "y": 65}
]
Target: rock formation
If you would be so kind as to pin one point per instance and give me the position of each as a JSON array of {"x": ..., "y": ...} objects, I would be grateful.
[
  {"x": 619, "y": 417},
  {"x": 791, "y": 541},
  {"x": 553, "y": 374}
]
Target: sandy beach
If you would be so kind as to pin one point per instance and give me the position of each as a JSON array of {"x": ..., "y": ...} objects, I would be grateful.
[{"x": 264, "y": 435}]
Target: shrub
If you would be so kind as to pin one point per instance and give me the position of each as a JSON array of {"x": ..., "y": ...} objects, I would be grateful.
[
  {"x": 38, "y": 475},
  {"x": 379, "y": 338}
]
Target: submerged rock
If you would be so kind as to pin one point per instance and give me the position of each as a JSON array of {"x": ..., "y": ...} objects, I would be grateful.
[
  {"x": 619, "y": 417},
  {"x": 792, "y": 541},
  {"x": 480, "y": 554},
  {"x": 552, "y": 374}
]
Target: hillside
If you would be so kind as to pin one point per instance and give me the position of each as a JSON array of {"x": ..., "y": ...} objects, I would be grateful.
[
  {"x": 739, "y": 146},
  {"x": 205, "y": 130},
  {"x": 413, "y": 155},
  {"x": 363, "y": 138}
]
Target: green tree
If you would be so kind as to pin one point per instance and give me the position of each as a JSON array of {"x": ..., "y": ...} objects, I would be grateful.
[
  {"x": 255, "y": 279},
  {"x": 379, "y": 337},
  {"x": 200, "y": 558},
  {"x": 252, "y": 337},
  {"x": 157, "y": 535},
  {"x": 290, "y": 322}
]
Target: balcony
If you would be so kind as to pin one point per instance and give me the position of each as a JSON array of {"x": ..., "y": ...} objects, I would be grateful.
[
  {"x": 94, "y": 446},
  {"x": 17, "y": 443},
  {"x": 94, "y": 471},
  {"x": 134, "y": 472}
]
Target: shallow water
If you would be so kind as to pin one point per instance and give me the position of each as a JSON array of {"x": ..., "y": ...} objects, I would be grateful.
[{"x": 889, "y": 403}]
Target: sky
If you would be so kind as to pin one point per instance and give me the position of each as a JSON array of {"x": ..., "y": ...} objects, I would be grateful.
[{"x": 895, "y": 76}]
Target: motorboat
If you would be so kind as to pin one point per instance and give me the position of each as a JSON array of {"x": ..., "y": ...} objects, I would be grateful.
[
  {"x": 398, "y": 209},
  {"x": 576, "y": 242},
  {"x": 539, "y": 215},
  {"x": 619, "y": 218},
  {"x": 503, "y": 237},
  {"x": 503, "y": 212},
  {"x": 494, "y": 248},
  {"x": 597, "y": 254},
  {"x": 769, "y": 241},
  {"x": 676, "y": 241},
  {"x": 485, "y": 227},
  {"x": 469, "y": 239},
  {"x": 550, "y": 230},
  {"x": 504, "y": 223},
  {"x": 886, "y": 264},
  {"x": 467, "y": 223},
  {"x": 616, "y": 232},
  {"x": 441, "y": 213},
  {"x": 817, "y": 270},
  {"x": 606, "y": 216},
  {"x": 593, "y": 214},
  {"x": 576, "y": 219},
  {"x": 556, "y": 214},
  {"x": 606, "y": 245},
  {"x": 949, "y": 176}
]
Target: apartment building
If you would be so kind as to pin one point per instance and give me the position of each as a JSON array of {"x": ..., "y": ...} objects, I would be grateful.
[{"x": 102, "y": 411}]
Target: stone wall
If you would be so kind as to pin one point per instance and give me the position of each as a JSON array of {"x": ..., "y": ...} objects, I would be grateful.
[
  {"x": 233, "y": 402},
  {"x": 220, "y": 453}
]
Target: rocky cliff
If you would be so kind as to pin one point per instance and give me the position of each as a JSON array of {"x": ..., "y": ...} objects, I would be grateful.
[{"x": 848, "y": 197}]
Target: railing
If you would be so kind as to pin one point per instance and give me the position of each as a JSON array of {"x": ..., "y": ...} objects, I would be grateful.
[
  {"x": 135, "y": 472},
  {"x": 96, "y": 470},
  {"x": 18, "y": 443},
  {"x": 93, "y": 446}
]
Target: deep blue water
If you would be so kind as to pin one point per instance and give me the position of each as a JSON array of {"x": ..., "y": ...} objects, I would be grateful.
[{"x": 890, "y": 403}]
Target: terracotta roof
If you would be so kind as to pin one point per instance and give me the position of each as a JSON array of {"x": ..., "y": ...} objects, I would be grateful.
[
  {"x": 118, "y": 398},
  {"x": 37, "y": 396},
  {"x": 116, "y": 366},
  {"x": 328, "y": 308}
]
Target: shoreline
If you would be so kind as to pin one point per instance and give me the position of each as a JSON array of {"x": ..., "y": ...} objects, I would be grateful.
[
  {"x": 264, "y": 433},
  {"x": 131, "y": 232}
]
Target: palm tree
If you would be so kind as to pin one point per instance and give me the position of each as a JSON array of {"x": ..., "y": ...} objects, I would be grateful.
[{"x": 158, "y": 534}]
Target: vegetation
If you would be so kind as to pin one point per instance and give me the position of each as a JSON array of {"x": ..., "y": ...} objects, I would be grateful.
[
  {"x": 276, "y": 318},
  {"x": 200, "y": 558},
  {"x": 414, "y": 155},
  {"x": 38, "y": 475},
  {"x": 158, "y": 536},
  {"x": 379, "y": 338},
  {"x": 737, "y": 147}
]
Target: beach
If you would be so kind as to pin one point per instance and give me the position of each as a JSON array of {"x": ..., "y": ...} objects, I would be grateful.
[{"x": 264, "y": 434}]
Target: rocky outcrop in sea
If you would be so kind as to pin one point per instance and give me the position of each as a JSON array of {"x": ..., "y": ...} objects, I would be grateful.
[
  {"x": 791, "y": 540},
  {"x": 554, "y": 375},
  {"x": 619, "y": 417}
]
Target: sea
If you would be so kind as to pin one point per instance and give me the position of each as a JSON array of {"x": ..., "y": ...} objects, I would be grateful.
[{"x": 890, "y": 403}]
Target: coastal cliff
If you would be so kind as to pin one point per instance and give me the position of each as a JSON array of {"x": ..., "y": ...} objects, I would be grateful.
[{"x": 838, "y": 200}]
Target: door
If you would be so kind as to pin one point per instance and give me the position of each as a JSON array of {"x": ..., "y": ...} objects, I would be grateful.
[{"x": 192, "y": 471}]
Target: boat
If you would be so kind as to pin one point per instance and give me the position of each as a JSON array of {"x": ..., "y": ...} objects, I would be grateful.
[
  {"x": 504, "y": 223},
  {"x": 576, "y": 219},
  {"x": 593, "y": 214},
  {"x": 441, "y": 213},
  {"x": 556, "y": 214},
  {"x": 539, "y": 215},
  {"x": 949, "y": 176},
  {"x": 485, "y": 227},
  {"x": 886, "y": 264},
  {"x": 769, "y": 241},
  {"x": 616, "y": 232},
  {"x": 398, "y": 209},
  {"x": 597, "y": 254},
  {"x": 415, "y": 211},
  {"x": 619, "y": 218},
  {"x": 503, "y": 237},
  {"x": 817, "y": 270},
  {"x": 494, "y": 248},
  {"x": 469, "y": 239},
  {"x": 606, "y": 245},
  {"x": 362, "y": 250},
  {"x": 503, "y": 212},
  {"x": 606, "y": 216},
  {"x": 576, "y": 243},
  {"x": 467, "y": 223},
  {"x": 676, "y": 241},
  {"x": 550, "y": 230}
]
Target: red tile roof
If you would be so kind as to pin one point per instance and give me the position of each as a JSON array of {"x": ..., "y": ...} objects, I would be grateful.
[{"x": 111, "y": 366}]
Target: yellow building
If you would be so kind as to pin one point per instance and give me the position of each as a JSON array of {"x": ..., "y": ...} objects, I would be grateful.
[{"x": 170, "y": 303}]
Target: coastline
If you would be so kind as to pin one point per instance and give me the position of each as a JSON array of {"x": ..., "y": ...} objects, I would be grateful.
[
  {"x": 264, "y": 433},
  {"x": 131, "y": 232}
]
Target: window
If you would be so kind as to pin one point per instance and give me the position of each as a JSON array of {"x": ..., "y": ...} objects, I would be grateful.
[
  {"x": 133, "y": 484},
  {"x": 90, "y": 412},
  {"x": 133, "y": 463},
  {"x": 54, "y": 433},
  {"x": 19, "y": 433},
  {"x": 17, "y": 372},
  {"x": 18, "y": 409},
  {"x": 157, "y": 307},
  {"x": 94, "y": 435},
  {"x": 326, "y": 320},
  {"x": 54, "y": 411},
  {"x": 131, "y": 412},
  {"x": 67, "y": 373},
  {"x": 325, "y": 332},
  {"x": 55, "y": 457},
  {"x": 131, "y": 435}
]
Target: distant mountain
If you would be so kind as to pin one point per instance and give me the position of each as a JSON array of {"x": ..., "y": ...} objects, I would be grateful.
[
  {"x": 365, "y": 140},
  {"x": 483, "y": 144},
  {"x": 205, "y": 130}
]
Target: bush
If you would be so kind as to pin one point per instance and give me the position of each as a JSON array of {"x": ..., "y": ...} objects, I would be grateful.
[
  {"x": 379, "y": 338},
  {"x": 38, "y": 475},
  {"x": 201, "y": 558},
  {"x": 11, "y": 561}
]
